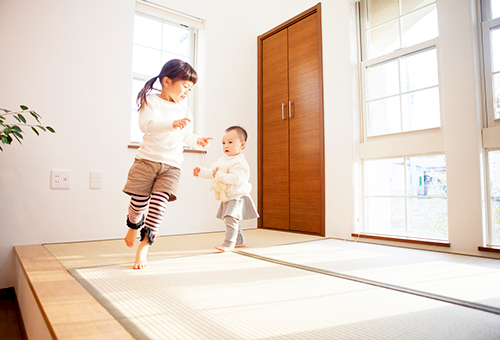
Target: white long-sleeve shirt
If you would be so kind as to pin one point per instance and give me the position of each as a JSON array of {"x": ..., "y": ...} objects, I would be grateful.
[
  {"x": 236, "y": 178},
  {"x": 161, "y": 142}
]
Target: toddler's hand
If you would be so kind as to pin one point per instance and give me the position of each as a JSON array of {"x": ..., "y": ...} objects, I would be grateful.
[
  {"x": 181, "y": 123},
  {"x": 204, "y": 141},
  {"x": 196, "y": 171},
  {"x": 214, "y": 172}
]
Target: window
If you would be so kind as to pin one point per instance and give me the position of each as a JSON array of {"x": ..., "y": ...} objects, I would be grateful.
[
  {"x": 404, "y": 179},
  {"x": 402, "y": 94},
  {"x": 491, "y": 51},
  {"x": 494, "y": 194},
  {"x": 399, "y": 66},
  {"x": 490, "y": 21},
  {"x": 159, "y": 36},
  {"x": 406, "y": 197}
]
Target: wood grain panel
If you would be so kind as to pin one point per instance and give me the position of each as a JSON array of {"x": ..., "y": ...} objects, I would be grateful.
[
  {"x": 68, "y": 309},
  {"x": 305, "y": 126},
  {"x": 275, "y": 172},
  {"x": 290, "y": 69}
]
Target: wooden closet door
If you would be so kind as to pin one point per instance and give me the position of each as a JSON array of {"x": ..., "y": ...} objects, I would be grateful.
[
  {"x": 306, "y": 138},
  {"x": 275, "y": 176}
]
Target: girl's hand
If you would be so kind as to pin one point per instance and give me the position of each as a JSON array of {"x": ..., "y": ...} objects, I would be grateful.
[
  {"x": 196, "y": 171},
  {"x": 214, "y": 172},
  {"x": 181, "y": 123},
  {"x": 203, "y": 141}
]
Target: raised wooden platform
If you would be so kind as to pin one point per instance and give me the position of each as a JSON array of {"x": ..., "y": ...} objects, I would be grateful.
[{"x": 54, "y": 305}]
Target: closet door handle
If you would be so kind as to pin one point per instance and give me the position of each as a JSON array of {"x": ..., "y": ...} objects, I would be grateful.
[
  {"x": 283, "y": 105},
  {"x": 290, "y": 113}
]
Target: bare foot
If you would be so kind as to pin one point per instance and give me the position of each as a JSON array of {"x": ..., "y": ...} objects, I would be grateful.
[
  {"x": 223, "y": 249},
  {"x": 130, "y": 237},
  {"x": 240, "y": 245},
  {"x": 141, "y": 257}
]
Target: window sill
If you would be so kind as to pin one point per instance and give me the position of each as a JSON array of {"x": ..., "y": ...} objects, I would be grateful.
[
  {"x": 492, "y": 249},
  {"x": 404, "y": 239},
  {"x": 186, "y": 150}
]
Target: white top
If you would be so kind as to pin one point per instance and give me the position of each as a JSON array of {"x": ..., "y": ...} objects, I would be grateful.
[
  {"x": 236, "y": 178},
  {"x": 161, "y": 142}
]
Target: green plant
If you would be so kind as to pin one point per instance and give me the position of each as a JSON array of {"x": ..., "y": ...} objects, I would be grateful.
[{"x": 9, "y": 132}]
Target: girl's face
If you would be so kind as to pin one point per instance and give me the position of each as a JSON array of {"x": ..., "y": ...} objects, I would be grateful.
[
  {"x": 232, "y": 144},
  {"x": 175, "y": 91}
]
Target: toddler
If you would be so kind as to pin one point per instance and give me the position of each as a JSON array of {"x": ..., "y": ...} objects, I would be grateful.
[{"x": 240, "y": 205}]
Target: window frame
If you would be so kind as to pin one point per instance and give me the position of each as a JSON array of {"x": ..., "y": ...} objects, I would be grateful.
[
  {"x": 406, "y": 197},
  {"x": 491, "y": 126},
  {"x": 404, "y": 144},
  {"x": 195, "y": 27},
  {"x": 490, "y": 198},
  {"x": 487, "y": 25},
  {"x": 365, "y": 63}
]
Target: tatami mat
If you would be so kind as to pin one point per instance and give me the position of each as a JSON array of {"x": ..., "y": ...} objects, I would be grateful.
[
  {"x": 280, "y": 287},
  {"x": 100, "y": 253},
  {"x": 230, "y": 296},
  {"x": 466, "y": 278}
]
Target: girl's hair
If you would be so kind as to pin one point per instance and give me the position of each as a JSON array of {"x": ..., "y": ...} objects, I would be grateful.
[
  {"x": 175, "y": 70},
  {"x": 239, "y": 130}
]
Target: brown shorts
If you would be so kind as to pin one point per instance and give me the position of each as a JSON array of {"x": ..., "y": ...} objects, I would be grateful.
[{"x": 145, "y": 177}]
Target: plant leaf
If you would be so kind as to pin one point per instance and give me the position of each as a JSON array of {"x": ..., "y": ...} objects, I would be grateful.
[
  {"x": 17, "y": 134},
  {"x": 23, "y": 107},
  {"x": 16, "y": 128},
  {"x": 35, "y": 131},
  {"x": 17, "y": 118},
  {"x": 51, "y": 129},
  {"x": 41, "y": 127},
  {"x": 35, "y": 115},
  {"x": 19, "y": 140},
  {"x": 22, "y": 118}
]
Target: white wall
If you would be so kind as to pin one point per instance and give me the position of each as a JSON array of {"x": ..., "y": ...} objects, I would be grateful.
[{"x": 71, "y": 61}]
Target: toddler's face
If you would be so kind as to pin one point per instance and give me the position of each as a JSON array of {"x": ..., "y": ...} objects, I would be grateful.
[{"x": 232, "y": 144}]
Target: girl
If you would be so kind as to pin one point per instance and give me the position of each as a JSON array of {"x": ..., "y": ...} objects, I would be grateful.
[
  {"x": 240, "y": 204},
  {"x": 154, "y": 177}
]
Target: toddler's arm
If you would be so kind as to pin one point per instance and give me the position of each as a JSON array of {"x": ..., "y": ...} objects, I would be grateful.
[{"x": 202, "y": 172}]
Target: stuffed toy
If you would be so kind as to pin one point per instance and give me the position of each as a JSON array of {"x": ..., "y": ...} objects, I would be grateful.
[{"x": 219, "y": 187}]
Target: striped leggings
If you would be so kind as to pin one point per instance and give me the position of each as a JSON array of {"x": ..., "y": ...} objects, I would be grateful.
[{"x": 155, "y": 207}]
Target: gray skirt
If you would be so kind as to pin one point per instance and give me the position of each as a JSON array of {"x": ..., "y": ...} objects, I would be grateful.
[{"x": 243, "y": 209}]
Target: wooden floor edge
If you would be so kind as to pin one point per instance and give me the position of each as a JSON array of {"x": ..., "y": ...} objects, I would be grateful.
[{"x": 69, "y": 311}]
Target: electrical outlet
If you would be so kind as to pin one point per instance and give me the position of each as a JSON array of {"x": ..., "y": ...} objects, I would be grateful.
[{"x": 60, "y": 179}]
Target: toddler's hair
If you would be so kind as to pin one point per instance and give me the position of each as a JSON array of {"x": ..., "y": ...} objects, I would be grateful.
[
  {"x": 175, "y": 70},
  {"x": 241, "y": 131}
]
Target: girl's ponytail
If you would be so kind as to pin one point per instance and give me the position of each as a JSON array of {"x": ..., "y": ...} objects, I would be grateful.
[{"x": 141, "y": 97}]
